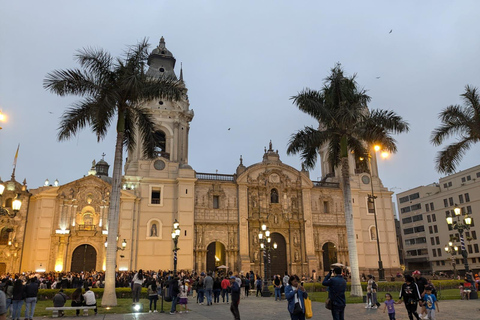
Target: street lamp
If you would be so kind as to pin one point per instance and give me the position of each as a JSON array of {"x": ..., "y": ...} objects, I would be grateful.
[
  {"x": 460, "y": 226},
  {"x": 371, "y": 206},
  {"x": 16, "y": 204},
  {"x": 122, "y": 248},
  {"x": 453, "y": 251},
  {"x": 175, "y": 235},
  {"x": 265, "y": 246}
]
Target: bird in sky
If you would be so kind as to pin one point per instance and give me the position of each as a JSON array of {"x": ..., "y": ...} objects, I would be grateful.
[
  {"x": 390, "y": 31},
  {"x": 228, "y": 129},
  {"x": 378, "y": 77}
]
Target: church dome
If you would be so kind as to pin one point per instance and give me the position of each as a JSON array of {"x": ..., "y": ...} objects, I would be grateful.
[
  {"x": 161, "y": 62},
  {"x": 102, "y": 168}
]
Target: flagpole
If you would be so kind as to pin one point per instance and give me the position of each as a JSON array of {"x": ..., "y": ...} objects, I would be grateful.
[{"x": 15, "y": 162}]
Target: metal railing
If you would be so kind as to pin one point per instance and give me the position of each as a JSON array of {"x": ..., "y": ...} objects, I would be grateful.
[
  {"x": 215, "y": 176},
  {"x": 86, "y": 227}
]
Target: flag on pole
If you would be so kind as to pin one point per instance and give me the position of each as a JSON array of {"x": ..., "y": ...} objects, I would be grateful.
[{"x": 16, "y": 156}]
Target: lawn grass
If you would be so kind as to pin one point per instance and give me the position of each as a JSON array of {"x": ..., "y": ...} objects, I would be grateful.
[
  {"x": 123, "y": 306},
  {"x": 446, "y": 294}
]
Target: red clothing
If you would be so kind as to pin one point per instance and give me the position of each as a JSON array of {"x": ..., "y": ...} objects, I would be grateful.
[{"x": 225, "y": 284}]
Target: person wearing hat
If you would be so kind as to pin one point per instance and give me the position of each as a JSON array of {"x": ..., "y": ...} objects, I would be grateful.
[
  {"x": 235, "y": 291},
  {"x": 411, "y": 296},
  {"x": 421, "y": 283}
]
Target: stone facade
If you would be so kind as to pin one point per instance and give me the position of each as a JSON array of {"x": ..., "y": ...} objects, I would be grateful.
[{"x": 220, "y": 215}]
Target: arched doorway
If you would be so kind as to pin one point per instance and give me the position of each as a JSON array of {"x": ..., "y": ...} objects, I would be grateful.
[
  {"x": 278, "y": 257},
  {"x": 84, "y": 258},
  {"x": 215, "y": 255},
  {"x": 329, "y": 255}
]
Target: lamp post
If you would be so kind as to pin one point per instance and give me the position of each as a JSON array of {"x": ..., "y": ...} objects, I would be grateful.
[
  {"x": 122, "y": 248},
  {"x": 16, "y": 204},
  {"x": 450, "y": 248},
  {"x": 460, "y": 226},
  {"x": 371, "y": 206},
  {"x": 265, "y": 246},
  {"x": 175, "y": 235}
]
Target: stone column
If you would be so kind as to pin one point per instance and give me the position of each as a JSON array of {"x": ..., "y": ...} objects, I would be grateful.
[
  {"x": 309, "y": 234},
  {"x": 243, "y": 227}
]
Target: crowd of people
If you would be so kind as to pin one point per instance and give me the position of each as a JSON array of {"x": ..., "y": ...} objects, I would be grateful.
[{"x": 211, "y": 288}]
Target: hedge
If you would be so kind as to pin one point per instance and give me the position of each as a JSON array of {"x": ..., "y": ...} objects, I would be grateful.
[
  {"x": 48, "y": 294},
  {"x": 386, "y": 286}
]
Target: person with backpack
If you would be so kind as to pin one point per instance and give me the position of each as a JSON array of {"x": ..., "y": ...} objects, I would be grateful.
[
  {"x": 235, "y": 288},
  {"x": 152, "y": 296}
]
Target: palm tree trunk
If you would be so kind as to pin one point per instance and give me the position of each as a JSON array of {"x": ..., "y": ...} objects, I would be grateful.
[
  {"x": 109, "y": 295},
  {"x": 356, "y": 290}
]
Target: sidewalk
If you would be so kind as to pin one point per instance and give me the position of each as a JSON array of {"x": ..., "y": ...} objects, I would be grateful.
[{"x": 253, "y": 308}]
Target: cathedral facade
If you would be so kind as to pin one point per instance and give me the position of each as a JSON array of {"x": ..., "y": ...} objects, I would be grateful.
[{"x": 64, "y": 227}]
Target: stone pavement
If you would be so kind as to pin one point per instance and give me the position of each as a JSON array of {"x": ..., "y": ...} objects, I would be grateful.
[{"x": 253, "y": 308}]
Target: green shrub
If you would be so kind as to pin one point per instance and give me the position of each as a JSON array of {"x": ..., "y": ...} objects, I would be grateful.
[{"x": 122, "y": 293}]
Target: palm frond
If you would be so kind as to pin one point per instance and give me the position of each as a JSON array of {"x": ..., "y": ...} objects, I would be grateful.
[
  {"x": 146, "y": 130},
  {"x": 307, "y": 142},
  {"x": 448, "y": 159},
  {"x": 95, "y": 61},
  {"x": 70, "y": 81},
  {"x": 388, "y": 120},
  {"x": 311, "y": 102},
  {"x": 472, "y": 99},
  {"x": 456, "y": 120},
  {"x": 76, "y": 118}
]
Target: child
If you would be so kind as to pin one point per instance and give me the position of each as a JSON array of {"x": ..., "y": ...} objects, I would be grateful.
[
  {"x": 183, "y": 295},
  {"x": 431, "y": 303},
  {"x": 389, "y": 305},
  {"x": 462, "y": 293}
]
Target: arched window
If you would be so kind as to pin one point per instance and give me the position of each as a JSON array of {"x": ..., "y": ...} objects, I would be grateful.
[
  {"x": 160, "y": 141},
  {"x": 274, "y": 196}
]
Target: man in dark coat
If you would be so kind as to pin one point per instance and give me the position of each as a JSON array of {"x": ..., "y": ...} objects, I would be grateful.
[
  {"x": 174, "y": 291},
  {"x": 336, "y": 292},
  {"x": 235, "y": 288}
]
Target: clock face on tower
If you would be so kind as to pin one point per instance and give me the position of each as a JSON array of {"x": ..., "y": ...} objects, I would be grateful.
[
  {"x": 159, "y": 164},
  {"x": 366, "y": 179}
]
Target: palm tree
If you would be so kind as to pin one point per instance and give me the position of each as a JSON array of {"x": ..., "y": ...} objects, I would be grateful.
[
  {"x": 463, "y": 122},
  {"x": 112, "y": 89},
  {"x": 345, "y": 125}
]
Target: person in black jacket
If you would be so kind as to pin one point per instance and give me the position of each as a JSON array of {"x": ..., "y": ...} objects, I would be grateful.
[
  {"x": 174, "y": 291},
  {"x": 411, "y": 296},
  {"x": 17, "y": 298},
  {"x": 31, "y": 292},
  {"x": 336, "y": 292},
  {"x": 235, "y": 298}
]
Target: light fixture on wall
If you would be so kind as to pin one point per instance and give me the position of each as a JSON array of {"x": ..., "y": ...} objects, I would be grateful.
[
  {"x": 16, "y": 204},
  {"x": 122, "y": 248}
]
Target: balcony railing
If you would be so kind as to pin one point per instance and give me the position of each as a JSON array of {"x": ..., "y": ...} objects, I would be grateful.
[
  {"x": 86, "y": 227},
  {"x": 215, "y": 176},
  {"x": 324, "y": 184}
]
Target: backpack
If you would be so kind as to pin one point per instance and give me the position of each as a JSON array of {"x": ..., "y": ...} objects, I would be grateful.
[{"x": 374, "y": 285}]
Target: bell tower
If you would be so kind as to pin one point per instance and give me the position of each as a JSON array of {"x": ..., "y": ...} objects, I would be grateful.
[
  {"x": 164, "y": 187},
  {"x": 172, "y": 118}
]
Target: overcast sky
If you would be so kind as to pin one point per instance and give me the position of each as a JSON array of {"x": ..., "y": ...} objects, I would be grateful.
[{"x": 242, "y": 62}]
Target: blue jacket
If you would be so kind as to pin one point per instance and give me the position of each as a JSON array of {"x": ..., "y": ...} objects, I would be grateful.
[
  {"x": 336, "y": 289},
  {"x": 290, "y": 295}
]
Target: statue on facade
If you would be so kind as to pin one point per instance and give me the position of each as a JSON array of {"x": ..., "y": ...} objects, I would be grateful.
[
  {"x": 297, "y": 256},
  {"x": 153, "y": 230}
]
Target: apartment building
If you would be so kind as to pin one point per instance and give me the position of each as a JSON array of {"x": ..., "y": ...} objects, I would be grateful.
[{"x": 425, "y": 232}]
